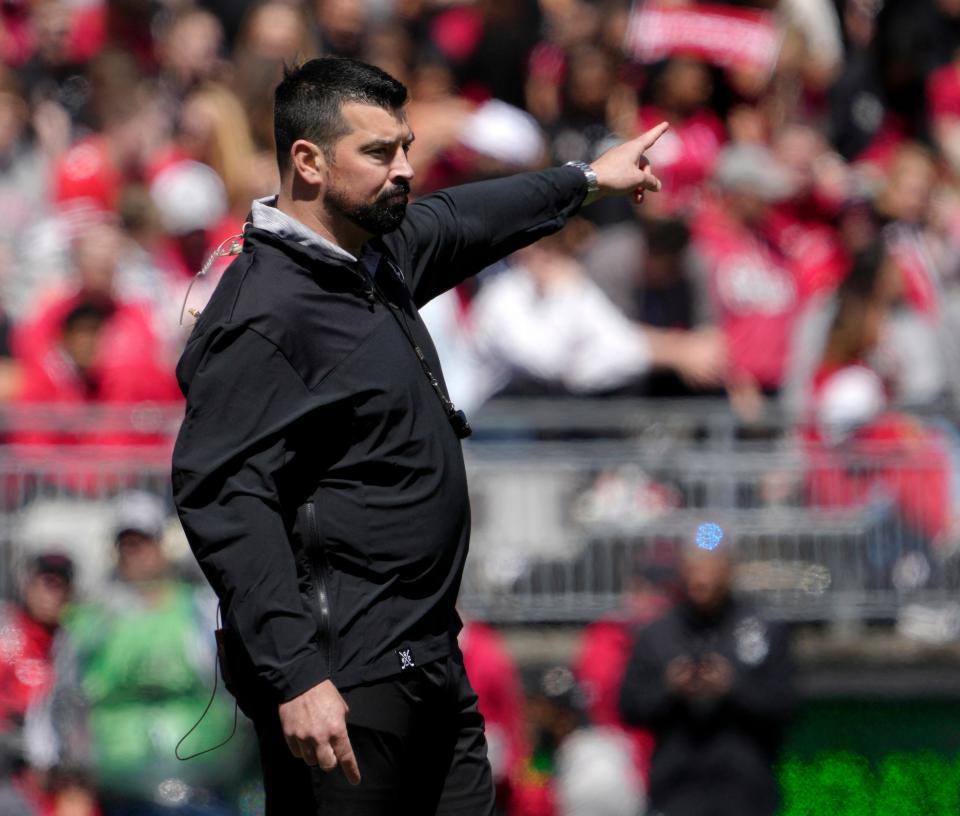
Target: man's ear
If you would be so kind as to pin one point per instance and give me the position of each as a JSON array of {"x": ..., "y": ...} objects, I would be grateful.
[{"x": 308, "y": 161}]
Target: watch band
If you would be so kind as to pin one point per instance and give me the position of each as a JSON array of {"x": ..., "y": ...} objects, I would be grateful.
[{"x": 593, "y": 184}]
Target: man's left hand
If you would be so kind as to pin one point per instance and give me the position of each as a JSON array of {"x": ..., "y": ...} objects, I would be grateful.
[{"x": 624, "y": 168}]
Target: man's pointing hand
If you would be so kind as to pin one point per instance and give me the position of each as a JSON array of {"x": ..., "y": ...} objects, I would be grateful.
[
  {"x": 315, "y": 727},
  {"x": 624, "y": 168}
]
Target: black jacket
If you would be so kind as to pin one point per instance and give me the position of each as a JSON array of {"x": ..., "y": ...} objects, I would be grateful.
[
  {"x": 712, "y": 758},
  {"x": 318, "y": 480}
]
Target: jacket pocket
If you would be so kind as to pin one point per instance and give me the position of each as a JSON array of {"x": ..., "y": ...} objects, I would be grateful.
[{"x": 319, "y": 572}]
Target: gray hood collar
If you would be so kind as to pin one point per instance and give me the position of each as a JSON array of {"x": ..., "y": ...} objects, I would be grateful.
[{"x": 265, "y": 216}]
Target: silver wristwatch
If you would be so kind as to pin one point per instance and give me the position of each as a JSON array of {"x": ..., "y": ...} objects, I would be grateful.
[{"x": 593, "y": 184}]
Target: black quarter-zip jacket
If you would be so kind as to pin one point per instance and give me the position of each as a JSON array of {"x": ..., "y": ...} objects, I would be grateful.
[{"x": 318, "y": 480}]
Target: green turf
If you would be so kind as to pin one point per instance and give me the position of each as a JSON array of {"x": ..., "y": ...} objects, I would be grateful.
[{"x": 863, "y": 757}]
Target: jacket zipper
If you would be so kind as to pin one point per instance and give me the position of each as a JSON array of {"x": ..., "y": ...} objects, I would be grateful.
[{"x": 317, "y": 562}]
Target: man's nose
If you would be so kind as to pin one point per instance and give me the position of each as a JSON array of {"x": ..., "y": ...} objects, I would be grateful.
[{"x": 401, "y": 167}]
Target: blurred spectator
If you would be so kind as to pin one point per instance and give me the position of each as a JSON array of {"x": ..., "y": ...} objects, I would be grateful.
[
  {"x": 591, "y": 115},
  {"x": 685, "y": 154},
  {"x": 23, "y": 180},
  {"x": 818, "y": 23},
  {"x": 900, "y": 253},
  {"x": 67, "y": 372},
  {"x": 914, "y": 37},
  {"x": 129, "y": 364},
  {"x": 648, "y": 270},
  {"x": 341, "y": 26},
  {"x": 487, "y": 44},
  {"x": 132, "y": 676},
  {"x": 804, "y": 224},
  {"x": 192, "y": 203},
  {"x": 862, "y": 451},
  {"x": 27, "y": 629},
  {"x": 271, "y": 33},
  {"x": 54, "y": 72},
  {"x": 438, "y": 115},
  {"x": 943, "y": 103},
  {"x": 566, "y": 25},
  {"x": 189, "y": 51},
  {"x": 501, "y": 139},
  {"x": 94, "y": 170},
  {"x": 543, "y": 327},
  {"x": 575, "y": 769},
  {"x": 494, "y": 676},
  {"x": 214, "y": 131},
  {"x": 875, "y": 279},
  {"x": 858, "y": 105},
  {"x": 85, "y": 348},
  {"x": 753, "y": 284},
  {"x": 713, "y": 681},
  {"x": 605, "y": 647},
  {"x": 231, "y": 14},
  {"x": 903, "y": 211}
]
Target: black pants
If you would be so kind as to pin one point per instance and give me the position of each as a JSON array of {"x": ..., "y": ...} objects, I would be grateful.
[{"x": 419, "y": 742}]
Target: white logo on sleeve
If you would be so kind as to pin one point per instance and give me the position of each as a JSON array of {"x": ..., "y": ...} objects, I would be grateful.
[
  {"x": 752, "y": 643},
  {"x": 406, "y": 659}
]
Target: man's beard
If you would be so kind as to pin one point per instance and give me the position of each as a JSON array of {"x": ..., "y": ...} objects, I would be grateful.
[{"x": 382, "y": 216}]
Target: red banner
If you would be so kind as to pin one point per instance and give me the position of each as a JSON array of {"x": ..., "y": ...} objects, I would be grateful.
[{"x": 723, "y": 35}]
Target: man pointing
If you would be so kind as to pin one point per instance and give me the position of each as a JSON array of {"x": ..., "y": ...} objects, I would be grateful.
[{"x": 318, "y": 472}]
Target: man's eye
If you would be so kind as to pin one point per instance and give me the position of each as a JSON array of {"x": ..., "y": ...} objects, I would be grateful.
[{"x": 406, "y": 148}]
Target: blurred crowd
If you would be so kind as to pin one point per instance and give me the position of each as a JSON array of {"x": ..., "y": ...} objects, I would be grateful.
[
  {"x": 803, "y": 258},
  {"x": 134, "y": 135},
  {"x": 108, "y": 700},
  {"x": 676, "y": 703}
]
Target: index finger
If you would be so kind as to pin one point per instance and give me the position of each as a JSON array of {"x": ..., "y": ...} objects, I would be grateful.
[
  {"x": 346, "y": 759},
  {"x": 648, "y": 139}
]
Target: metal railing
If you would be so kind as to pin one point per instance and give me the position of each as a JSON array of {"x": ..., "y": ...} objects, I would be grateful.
[
  {"x": 562, "y": 524},
  {"x": 819, "y": 533}
]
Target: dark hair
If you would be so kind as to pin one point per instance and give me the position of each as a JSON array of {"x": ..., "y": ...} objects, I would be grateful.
[
  {"x": 51, "y": 563},
  {"x": 865, "y": 270},
  {"x": 308, "y": 102},
  {"x": 666, "y": 236},
  {"x": 856, "y": 296},
  {"x": 95, "y": 311}
]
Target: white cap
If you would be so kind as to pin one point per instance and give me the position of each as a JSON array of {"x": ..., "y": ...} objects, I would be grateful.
[
  {"x": 190, "y": 196},
  {"x": 753, "y": 168},
  {"x": 139, "y": 512},
  {"x": 504, "y": 133},
  {"x": 850, "y": 399},
  {"x": 595, "y": 775}
]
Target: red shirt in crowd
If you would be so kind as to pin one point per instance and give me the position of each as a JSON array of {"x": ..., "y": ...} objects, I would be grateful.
[
  {"x": 26, "y": 670},
  {"x": 599, "y": 668},
  {"x": 88, "y": 172},
  {"x": 493, "y": 675},
  {"x": 129, "y": 369},
  {"x": 943, "y": 92},
  {"x": 892, "y": 454},
  {"x": 813, "y": 247},
  {"x": 755, "y": 293},
  {"x": 684, "y": 155}
]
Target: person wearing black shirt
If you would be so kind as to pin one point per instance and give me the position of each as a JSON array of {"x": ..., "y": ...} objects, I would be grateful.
[
  {"x": 318, "y": 472},
  {"x": 713, "y": 681}
]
